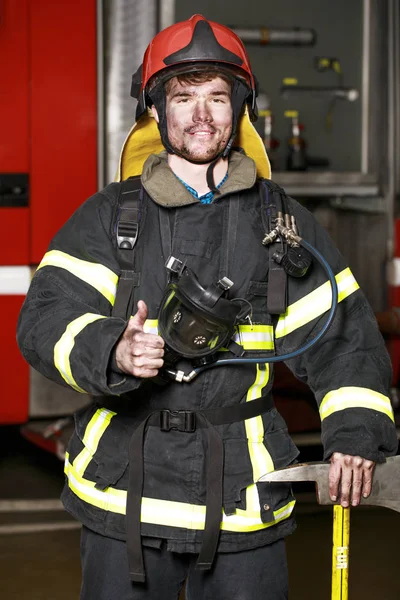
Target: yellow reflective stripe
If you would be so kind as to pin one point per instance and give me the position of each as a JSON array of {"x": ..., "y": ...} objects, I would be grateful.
[
  {"x": 166, "y": 512},
  {"x": 251, "y": 337},
  {"x": 93, "y": 432},
  {"x": 192, "y": 516},
  {"x": 82, "y": 460},
  {"x": 100, "y": 277},
  {"x": 354, "y": 397},
  {"x": 151, "y": 326},
  {"x": 252, "y": 500},
  {"x": 63, "y": 347},
  {"x": 259, "y": 456},
  {"x": 180, "y": 514},
  {"x": 255, "y": 337},
  {"x": 109, "y": 499},
  {"x": 96, "y": 427},
  {"x": 315, "y": 304}
]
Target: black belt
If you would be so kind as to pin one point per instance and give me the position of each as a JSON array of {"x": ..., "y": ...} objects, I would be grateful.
[{"x": 185, "y": 421}]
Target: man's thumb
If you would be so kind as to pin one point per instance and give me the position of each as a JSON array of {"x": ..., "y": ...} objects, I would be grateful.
[{"x": 139, "y": 318}]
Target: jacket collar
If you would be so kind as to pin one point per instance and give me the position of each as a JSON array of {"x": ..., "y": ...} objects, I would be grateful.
[
  {"x": 144, "y": 139},
  {"x": 165, "y": 188}
]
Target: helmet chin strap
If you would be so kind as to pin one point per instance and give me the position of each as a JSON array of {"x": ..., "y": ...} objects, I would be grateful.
[
  {"x": 210, "y": 176},
  {"x": 238, "y": 97}
]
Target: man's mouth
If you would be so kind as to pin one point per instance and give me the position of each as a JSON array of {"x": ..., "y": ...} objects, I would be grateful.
[{"x": 200, "y": 132}]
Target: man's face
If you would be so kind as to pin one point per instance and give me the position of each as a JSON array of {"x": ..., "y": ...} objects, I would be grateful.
[{"x": 199, "y": 118}]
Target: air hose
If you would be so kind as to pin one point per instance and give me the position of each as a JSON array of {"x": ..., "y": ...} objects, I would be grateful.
[{"x": 180, "y": 376}]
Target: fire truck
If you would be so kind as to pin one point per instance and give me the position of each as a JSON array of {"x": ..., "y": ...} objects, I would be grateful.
[
  {"x": 48, "y": 167},
  {"x": 52, "y": 113}
]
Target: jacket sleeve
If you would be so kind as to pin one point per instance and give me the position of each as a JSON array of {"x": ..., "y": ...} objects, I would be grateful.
[
  {"x": 348, "y": 369},
  {"x": 65, "y": 329}
]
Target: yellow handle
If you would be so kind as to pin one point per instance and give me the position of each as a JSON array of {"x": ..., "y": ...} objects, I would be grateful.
[{"x": 340, "y": 553}]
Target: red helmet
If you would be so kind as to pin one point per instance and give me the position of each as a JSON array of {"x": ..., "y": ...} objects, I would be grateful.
[
  {"x": 193, "y": 45},
  {"x": 192, "y": 41}
]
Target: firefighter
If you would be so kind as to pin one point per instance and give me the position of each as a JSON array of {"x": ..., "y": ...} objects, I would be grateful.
[{"x": 163, "y": 473}]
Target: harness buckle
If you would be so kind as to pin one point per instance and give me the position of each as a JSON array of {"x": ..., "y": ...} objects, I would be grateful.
[
  {"x": 127, "y": 235},
  {"x": 182, "y": 420},
  {"x": 175, "y": 266}
]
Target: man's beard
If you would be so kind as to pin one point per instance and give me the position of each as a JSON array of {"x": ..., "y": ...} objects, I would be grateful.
[{"x": 200, "y": 157}]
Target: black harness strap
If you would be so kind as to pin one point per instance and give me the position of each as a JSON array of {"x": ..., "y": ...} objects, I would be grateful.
[
  {"x": 277, "y": 277},
  {"x": 129, "y": 214},
  {"x": 277, "y": 284},
  {"x": 165, "y": 231},
  {"x": 229, "y": 233},
  {"x": 214, "y": 495},
  {"x": 185, "y": 421}
]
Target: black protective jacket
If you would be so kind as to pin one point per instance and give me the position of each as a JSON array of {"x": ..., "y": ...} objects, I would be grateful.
[{"x": 66, "y": 331}]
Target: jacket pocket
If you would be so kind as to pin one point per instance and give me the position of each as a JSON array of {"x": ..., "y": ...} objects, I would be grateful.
[
  {"x": 238, "y": 473},
  {"x": 277, "y": 447},
  {"x": 105, "y": 440},
  {"x": 194, "y": 248},
  {"x": 276, "y": 498},
  {"x": 276, "y": 501},
  {"x": 278, "y": 442}
]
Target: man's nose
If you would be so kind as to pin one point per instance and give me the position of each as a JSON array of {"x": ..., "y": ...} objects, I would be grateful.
[{"x": 202, "y": 113}]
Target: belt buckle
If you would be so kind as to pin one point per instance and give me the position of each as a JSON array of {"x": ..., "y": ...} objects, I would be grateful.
[{"x": 181, "y": 420}]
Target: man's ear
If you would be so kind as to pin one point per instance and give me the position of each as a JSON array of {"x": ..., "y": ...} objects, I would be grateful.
[{"x": 155, "y": 113}]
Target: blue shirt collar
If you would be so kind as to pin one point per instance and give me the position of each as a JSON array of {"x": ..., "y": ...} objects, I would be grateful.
[{"x": 205, "y": 198}]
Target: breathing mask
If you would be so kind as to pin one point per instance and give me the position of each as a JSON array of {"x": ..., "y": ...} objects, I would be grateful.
[{"x": 196, "y": 321}]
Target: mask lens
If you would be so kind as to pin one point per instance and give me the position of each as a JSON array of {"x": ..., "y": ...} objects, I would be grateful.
[{"x": 188, "y": 334}]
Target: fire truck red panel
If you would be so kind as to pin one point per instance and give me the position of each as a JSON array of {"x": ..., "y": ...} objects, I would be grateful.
[
  {"x": 14, "y": 236},
  {"x": 48, "y": 152},
  {"x": 14, "y": 371},
  {"x": 14, "y": 96},
  {"x": 63, "y": 114}
]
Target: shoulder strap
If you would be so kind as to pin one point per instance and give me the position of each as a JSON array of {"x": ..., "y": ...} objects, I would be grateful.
[
  {"x": 128, "y": 214},
  {"x": 271, "y": 204}
]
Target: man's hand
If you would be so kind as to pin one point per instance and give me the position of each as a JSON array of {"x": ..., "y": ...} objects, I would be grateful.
[
  {"x": 350, "y": 476},
  {"x": 139, "y": 353}
]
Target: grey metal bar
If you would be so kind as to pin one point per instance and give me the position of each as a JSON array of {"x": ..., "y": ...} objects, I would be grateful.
[
  {"x": 38, "y": 527},
  {"x": 100, "y": 95},
  {"x": 391, "y": 121},
  {"x": 39, "y": 505},
  {"x": 365, "y": 100},
  {"x": 167, "y": 13}
]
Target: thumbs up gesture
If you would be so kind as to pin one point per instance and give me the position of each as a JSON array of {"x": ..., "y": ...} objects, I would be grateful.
[{"x": 139, "y": 353}]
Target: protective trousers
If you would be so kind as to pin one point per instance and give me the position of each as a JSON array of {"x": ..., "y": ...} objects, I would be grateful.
[{"x": 246, "y": 575}]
